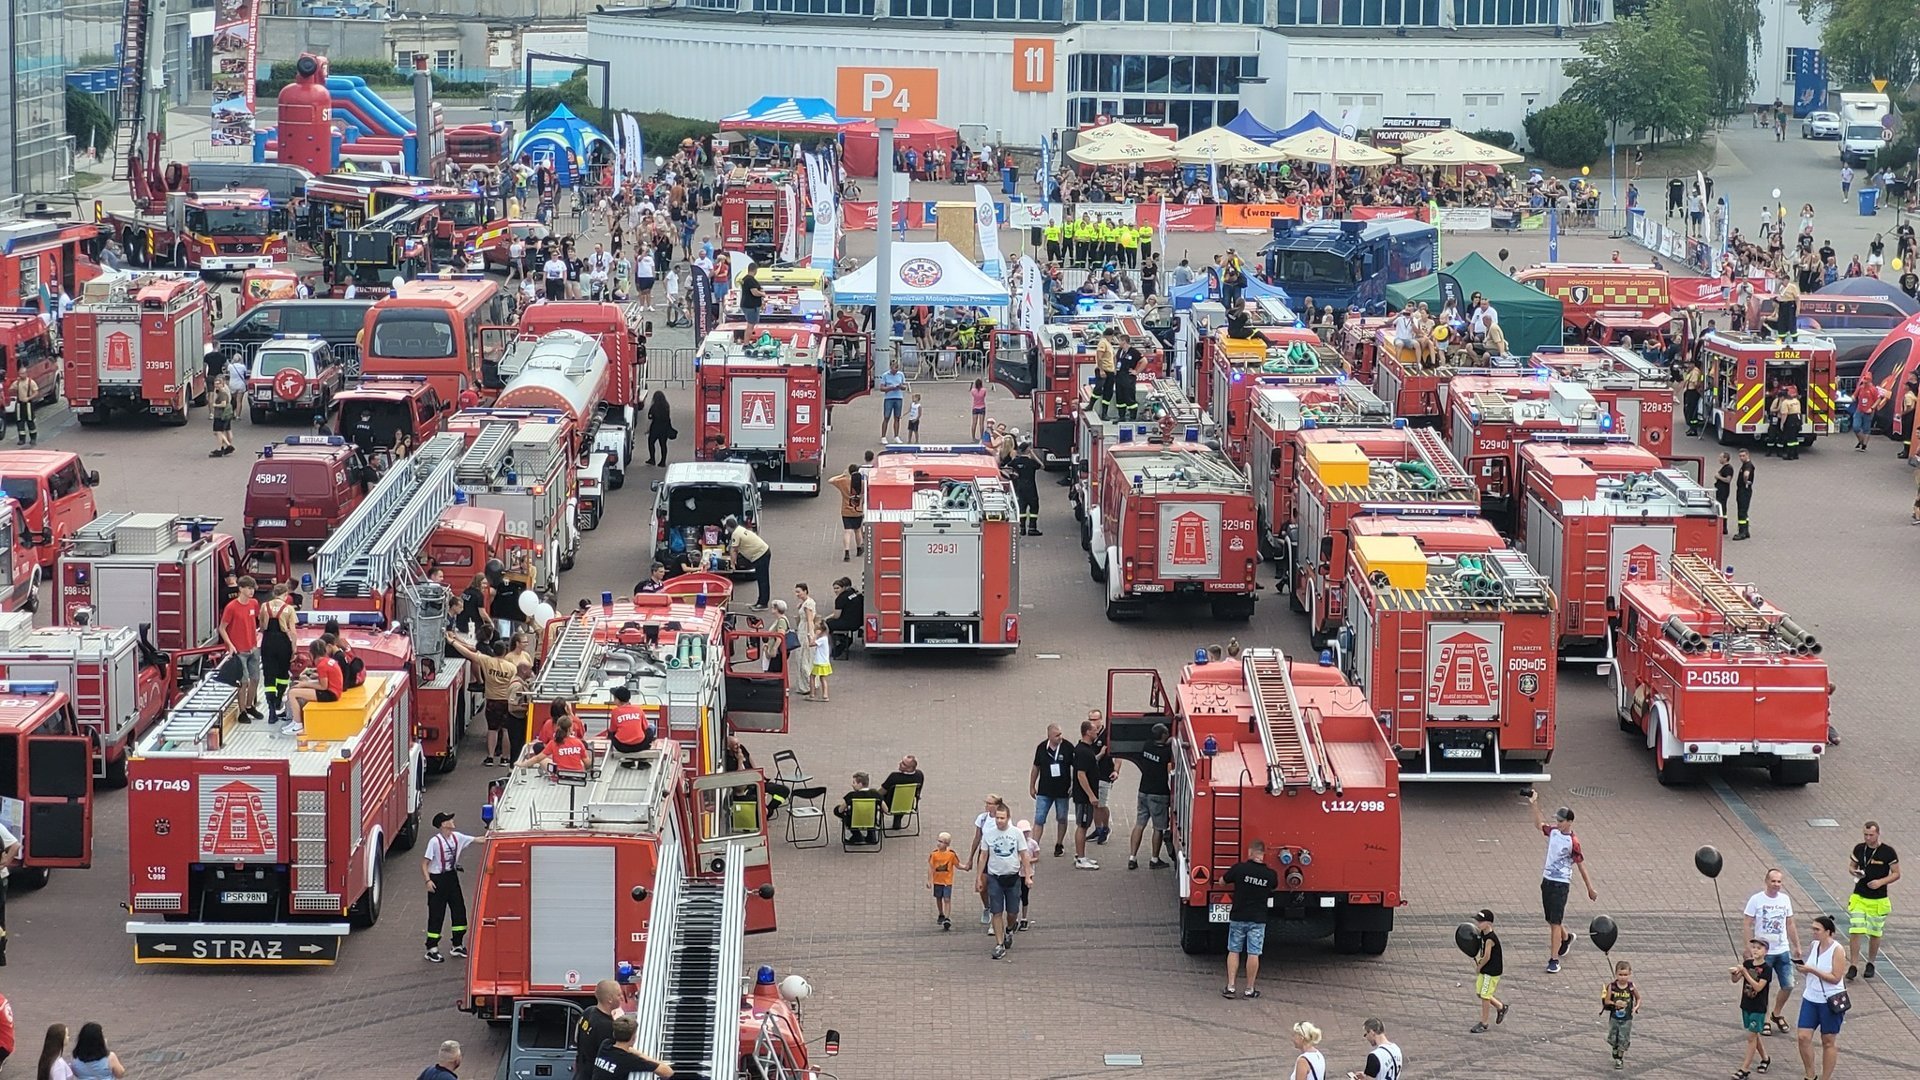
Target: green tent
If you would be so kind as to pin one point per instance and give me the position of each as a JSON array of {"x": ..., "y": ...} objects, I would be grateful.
[{"x": 1529, "y": 317}]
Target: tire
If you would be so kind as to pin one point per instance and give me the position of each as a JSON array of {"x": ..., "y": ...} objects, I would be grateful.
[
  {"x": 1347, "y": 942},
  {"x": 116, "y": 772},
  {"x": 256, "y": 414},
  {"x": 566, "y": 561},
  {"x": 1120, "y": 610},
  {"x": 93, "y": 418},
  {"x": 409, "y": 833},
  {"x": 1673, "y": 771},
  {"x": 1086, "y": 535},
  {"x": 616, "y": 479},
  {"x": 180, "y": 414},
  {"x": 29, "y": 878},
  {"x": 1373, "y": 942},
  {"x": 366, "y": 910},
  {"x": 1094, "y": 569},
  {"x": 1196, "y": 933},
  {"x": 1793, "y": 773},
  {"x": 1233, "y": 609},
  {"x": 32, "y": 603}
]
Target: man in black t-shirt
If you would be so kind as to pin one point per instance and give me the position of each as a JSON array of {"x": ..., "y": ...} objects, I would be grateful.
[
  {"x": 752, "y": 294},
  {"x": 596, "y": 1025},
  {"x": 1086, "y": 786},
  {"x": 1150, "y": 806},
  {"x": 1049, "y": 785},
  {"x": 618, "y": 1060},
  {"x": 1875, "y": 866},
  {"x": 1253, "y": 884}
]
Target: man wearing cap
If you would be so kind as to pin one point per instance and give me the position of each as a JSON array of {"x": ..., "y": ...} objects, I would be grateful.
[
  {"x": 1556, "y": 877},
  {"x": 440, "y": 866}
]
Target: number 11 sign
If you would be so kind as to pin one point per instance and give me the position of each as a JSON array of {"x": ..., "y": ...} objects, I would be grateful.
[{"x": 1033, "y": 65}]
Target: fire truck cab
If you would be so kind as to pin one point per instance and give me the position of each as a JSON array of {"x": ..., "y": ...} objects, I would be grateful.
[
  {"x": 1606, "y": 303},
  {"x": 28, "y": 348},
  {"x": 1165, "y": 415},
  {"x": 943, "y": 567},
  {"x": 1743, "y": 371},
  {"x": 1451, "y": 634},
  {"x": 1593, "y": 516},
  {"x": 1280, "y": 413},
  {"x": 20, "y": 571},
  {"x": 376, "y": 412},
  {"x": 253, "y": 847},
  {"x": 1053, "y": 368},
  {"x": 1175, "y": 521},
  {"x": 765, "y": 401},
  {"x": 118, "y": 684},
  {"x": 521, "y": 462},
  {"x": 1287, "y": 753},
  {"x": 1712, "y": 674},
  {"x": 302, "y": 489},
  {"x": 46, "y": 780},
  {"x": 137, "y": 342},
  {"x": 55, "y": 493}
]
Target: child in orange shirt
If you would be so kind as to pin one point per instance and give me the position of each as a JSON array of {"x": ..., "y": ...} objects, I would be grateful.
[{"x": 940, "y": 866}]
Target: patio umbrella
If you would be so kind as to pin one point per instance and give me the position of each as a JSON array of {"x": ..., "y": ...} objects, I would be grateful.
[
  {"x": 1218, "y": 146},
  {"x": 1449, "y": 147},
  {"x": 1117, "y": 130},
  {"x": 1124, "y": 150},
  {"x": 1327, "y": 148}
]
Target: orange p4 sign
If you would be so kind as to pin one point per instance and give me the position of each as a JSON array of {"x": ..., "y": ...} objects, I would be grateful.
[{"x": 888, "y": 93}]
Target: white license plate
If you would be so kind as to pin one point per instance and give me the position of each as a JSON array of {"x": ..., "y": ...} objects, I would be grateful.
[
  {"x": 1461, "y": 752},
  {"x": 243, "y": 898},
  {"x": 270, "y": 523},
  {"x": 1219, "y": 912},
  {"x": 1703, "y": 759},
  {"x": 1150, "y": 587}
]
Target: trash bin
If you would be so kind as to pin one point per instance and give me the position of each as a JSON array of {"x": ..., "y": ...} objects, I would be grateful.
[
  {"x": 1006, "y": 181},
  {"x": 1869, "y": 201}
]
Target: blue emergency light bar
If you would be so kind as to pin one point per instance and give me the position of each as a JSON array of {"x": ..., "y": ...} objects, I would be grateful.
[
  {"x": 969, "y": 448},
  {"x": 1423, "y": 511},
  {"x": 292, "y": 337},
  {"x": 9, "y": 686},
  {"x": 315, "y": 440},
  {"x": 344, "y": 618}
]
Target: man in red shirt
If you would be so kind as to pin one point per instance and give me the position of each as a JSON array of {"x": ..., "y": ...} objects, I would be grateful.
[
  {"x": 240, "y": 631},
  {"x": 322, "y": 681},
  {"x": 627, "y": 726}
]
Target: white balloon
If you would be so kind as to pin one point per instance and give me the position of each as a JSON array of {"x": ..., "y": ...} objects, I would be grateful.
[
  {"x": 545, "y": 615},
  {"x": 529, "y": 603},
  {"x": 658, "y": 161},
  {"x": 795, "y": 988}
]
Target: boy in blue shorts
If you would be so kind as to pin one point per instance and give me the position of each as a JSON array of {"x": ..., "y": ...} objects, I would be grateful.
[{"x": 1755, "y": 977}]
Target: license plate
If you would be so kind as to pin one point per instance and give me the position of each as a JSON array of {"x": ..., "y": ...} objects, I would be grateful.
[
  {"x": 1462, "y": 752},
  {"x": 243, "y": 898},
  {"x": 1219, "y": 912},
  {"x": 1150, "y": 587},
  {"x": 270, "y": 523},
  {"x": 1703, "y": 759}
]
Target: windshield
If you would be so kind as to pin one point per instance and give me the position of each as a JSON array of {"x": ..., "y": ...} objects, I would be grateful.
[
  {"x": 697, "y": 505},
  {"x": 23, "y": 489},
  {"x": 1863, "y": 131},
  {"x": 271, "y": 362},
  {"x": 413, "y": 334},
  {"x": 466, "y": 212},
  {"x": 248, "y": 222},
  {"x": 1313, "y": 268}
]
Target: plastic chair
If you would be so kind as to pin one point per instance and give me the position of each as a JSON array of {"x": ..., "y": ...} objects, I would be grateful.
[
  {"x": 863, "y": 816},
  {"x": 904, "y": 808},
  {"x": 807, "y": 805}
]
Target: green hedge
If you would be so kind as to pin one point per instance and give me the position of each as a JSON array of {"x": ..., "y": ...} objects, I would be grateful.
[
  {"x": 1499, "y": 137},
  {"x": 1567, "y": 134},
  {"x": 378, "y": 73},
  {"x": 661, "y": 131}
]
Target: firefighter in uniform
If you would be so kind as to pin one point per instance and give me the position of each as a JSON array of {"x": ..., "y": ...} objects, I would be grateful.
[
  {"x": 1024, "y": 471},
  {"x": 441, "y": 868},
  {"x": 1690, "y": 396},
  {"x": 1104, "y": 357},
  {"x": 1145, "y": 233},
  {"x": 1124, "y": 394},
  {"x": 1743, "y": 494},
  {"x": 1052, "y": 235},
  {"x": 25, "y": 393}
]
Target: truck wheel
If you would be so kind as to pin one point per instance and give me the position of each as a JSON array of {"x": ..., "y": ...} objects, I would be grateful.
[
  {"x": 1196, "y": 933},
  {"x": 1233, "y": 609},
  {"x": 566, "y": 561},
  {"x": 53, "y": 394},
  {"x": 1094, "y": 569},
  {"x": 32, "y": 603},
  {"x": 616, "y": 479},
  {"x": 366, "y": 910},
  {"x": 1373, "y": 942},
  {"x": 179, "y": 416},
  {"x": 256, "y": 414},
  {"x": 1347, "y": 942},
  {"x": 1672, "y": 769},
  {"x": 1720, "y": 431},
  {"x": 1122, "y": 610},
  {"x": 1793, "y": 773},
  {"x": 116, "y": 772},
  {"x": 93, "y": 417},
  {"x": 409, "y": 833},
  {"x": 34, "y": 877}
]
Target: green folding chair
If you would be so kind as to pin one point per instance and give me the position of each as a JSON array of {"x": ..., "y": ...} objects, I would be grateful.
[
  {"x": 904, "y": 808},
  {"x": 863, "y": 816}
]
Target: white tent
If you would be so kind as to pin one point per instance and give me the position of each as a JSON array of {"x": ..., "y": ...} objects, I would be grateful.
[{"x": 924, "y": 273}]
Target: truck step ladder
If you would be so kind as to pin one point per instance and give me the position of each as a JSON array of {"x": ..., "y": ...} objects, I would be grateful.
[
  {"x": 696, "y": 955},
  {"x": 1492, "y": 406},
  {"x": 1712, "y": 586},
  {"x": 194, "y": 721},
  {"x": 564, "y": 673},
  {"x": 394, "y": 519},
  {"x": 1227, "y": 845},
  {"x": 1517, "y": 575},
  {"x": 1434, "y": 449},
  {"x": 490, "y": 449},
  {"x": 1291, "y": 758}
]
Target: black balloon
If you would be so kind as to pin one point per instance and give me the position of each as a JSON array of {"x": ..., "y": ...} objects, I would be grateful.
[
  {"x": 1467, "y": 936},
  {"x": 1708, "y": 861},
  {"x": 1603, "y": 932}
]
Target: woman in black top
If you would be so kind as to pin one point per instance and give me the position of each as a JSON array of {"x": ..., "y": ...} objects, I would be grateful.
[{"x": 659, "y": 428}]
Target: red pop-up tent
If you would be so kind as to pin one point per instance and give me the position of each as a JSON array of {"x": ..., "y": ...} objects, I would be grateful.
[{"x": 861, "y": 143}]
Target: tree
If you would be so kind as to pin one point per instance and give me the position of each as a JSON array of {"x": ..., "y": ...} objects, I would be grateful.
[
  {"x": 88, "y": 123},
  {"x": 1869, "y": 39},
  {"x": 1567, "y": 134},
  {"x": 1728, "y": 33},
  {"x": 1645, "y": 72}
]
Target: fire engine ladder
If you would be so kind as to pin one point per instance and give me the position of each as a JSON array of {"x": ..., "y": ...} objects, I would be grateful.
[
  {"x": 1493, "y": 406},
  {"x": 195, "y": 720},
  {"x": 1516, "y": 575},
  {"x": 133, "y": 85},
  {"x": 564, "y": 673},
  {"x": 1707, "y": 582},
  {"x": 1434, "y": 449},
  {"x": 392, "y": 522},
  {"x": 1292, "y": 759},
  {"x": 490, "y": 450},
  {"x": 689, "y": 1009}
]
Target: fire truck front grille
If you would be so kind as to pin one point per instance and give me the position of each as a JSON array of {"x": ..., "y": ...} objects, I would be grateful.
[
  {"x": 310, "y": 903},
  {"x": 148, "y": 901}
]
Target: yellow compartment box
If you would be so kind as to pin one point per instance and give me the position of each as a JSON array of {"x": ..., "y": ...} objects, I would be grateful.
[
  {"x": 1338, "y": 464},
  {"x": 1398, "y": 557},
  {"x": 343, "y": 719}
]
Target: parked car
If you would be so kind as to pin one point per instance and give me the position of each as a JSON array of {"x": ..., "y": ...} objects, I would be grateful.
[{"x": 1820, "y": 125}]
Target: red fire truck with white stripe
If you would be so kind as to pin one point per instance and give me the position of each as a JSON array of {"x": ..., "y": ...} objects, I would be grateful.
[
  {"x": 1710, "y": 673},
  {"x": 1175, "y": 522},
  {"x": 943, "y": 567},
  {"x": 137, "y": 342},
  {"x": 765, "y": 401},
  {"x": 46, "y": 772},
  {"x": 1592, "y": 516},
  {"x": 119, "y": 685},
  {"x": 1280, "y": 414},
  {"x": 1451, "y": 633},
  {"x": 1053, "y": 367},
  {"x": 253, "y": 847}
]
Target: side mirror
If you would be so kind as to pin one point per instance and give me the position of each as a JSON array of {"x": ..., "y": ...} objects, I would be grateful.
[
  {"x": 656, "y": 485},
  {"x": 93, "y": 478},
  {"x": 39, "y": 539}
]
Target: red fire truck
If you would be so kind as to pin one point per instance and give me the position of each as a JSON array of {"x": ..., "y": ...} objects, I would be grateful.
[
  {"x": 1606, "y": 303},
  {"x": 756, "y": 214},
  {"x": 253, "y": 847},
  {"x": 119, "y": 685},
  {"x": 28, "y": 347},
  {"x": 1165, "y": 415},
  {"x": 1492, "y": 417},
  {"x": 46, "y": 780},
  {"x": 157, "y": 570},
  {"x": 521, "y": 462},
  {"x": 1712, "y": 674},
  {"x": 237, "y": 229},
  {"x": 1347, "y": 472},
  {"x": 302, "y": 490},
  {"x": 1592, "y": 515},
  {"x": 572, "y": 371},
  {"x": 1636, "y": 392},
  {"x": 1744, "y": 370},
  {"x": 19, "y": 568},
  {"x": 1282, "y": 752},
  {"x": 1052, "y": 369},
  {"x": 1417, "y": 392},
  {"x": 1451, "y": 633},
  {"x": 1175, "y": 521},
  {"x": 765, "y": 401},
  {"x": 137, "y": 343},
  {"x": 943, "y": 569},
  {"x": 57, "y": 255},
  {"x": 1272, "y": 357},
  {"x": 1358, "y": 340},
  {"x": 1280, "y": 414}
]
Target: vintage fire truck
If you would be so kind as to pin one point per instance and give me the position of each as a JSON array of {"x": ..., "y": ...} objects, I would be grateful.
[
  {"x": 1344, "y": 473},
  {"x": 118, "y": 684},
  {"x": 1237, "y": 366},
  {"x": 28, "y": 347},
  {"x": 568, "y": 371},
  {"x": 1594, "y": 514},
  {"x": 1451, "y": 634},
  {"x": 235, "y": 230},
  {"x": 1165, "y": 415},
  {"x": 1280, "y": 414},
  {"x": 1283, "y": 752},
  {"x": 521, "y": 462},
  {"x": 1606, "y": 303},
  {"x": 1175, "y": 521},
  {"x": 1710, "y": 673},
  {"x": 1417, "y": 391},
  {"x": 253, "y": 847},
  {"x": 46, "y": 780},
  {"x": 764, "y": 401},
  {"x": 137, "y": 342},
  {"x": 943, "y": 567},
  {"x": 1491, "y": 417},
  {"x": 154, "y": 570},
  {"x": 1052, "y": 369},
  {"x": 1743, "y": 371}
]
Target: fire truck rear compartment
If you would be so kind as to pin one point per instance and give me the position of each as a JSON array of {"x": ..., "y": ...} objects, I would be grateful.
[
  {"x": 695, "y": 506},
  {"x": 54, "y": 830},
  {"x": 942, "y": 581}
]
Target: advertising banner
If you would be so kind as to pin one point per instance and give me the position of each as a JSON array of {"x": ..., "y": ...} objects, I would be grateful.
[
  {"x": 1256, "y": 217},
  {"x": 236, "y": 35},
  {"x": 1386, "y": 213},
  {"x": 1464, "y": 218},
  {"x": 986, "y": 220},
  {"x": 1031, "y": 215},
  {"x": 1177, "y": 217}
]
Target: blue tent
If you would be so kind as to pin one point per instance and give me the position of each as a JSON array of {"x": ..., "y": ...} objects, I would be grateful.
[
  {"x": 1206, "y": 286},
  {"x": 787, "y": 114},
  {"x": 1313, "y": 121},
  {"x": 1245, "y": 125},
  {"x": 566, "y": 141}
]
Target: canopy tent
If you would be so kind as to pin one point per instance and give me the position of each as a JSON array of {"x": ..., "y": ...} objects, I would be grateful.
[
  {"x": 1219, "y": 146},
  {"x": 1449, "y": 147},
  {"x": 1118, "y": 130},
  {"x": 1313, "y": 121},
  {"x": 566, "y": 141},
  {"x": 1528, "y": 317},
  {"x": 924, "y": 273},
  {"x": 1245, "y": 125},
  {"x": 1893, "y": 365},
  {"x": 787, "y": 114},
  {"x": 1142, "y": 149},
  {"x": 860, "y": 143},
  {"x": 1327, "y": 148},
  {"x": 1206, "y": 286},
  {"x": 1871, "y": 287}
]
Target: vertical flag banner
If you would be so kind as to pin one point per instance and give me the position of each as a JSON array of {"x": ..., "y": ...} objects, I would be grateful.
[
  {"x": 985, "y": 220},
  {"x": 636, "y": 146},
  {"x": 821, "y": 192},
  {"x": 1046, "y": 173},
  {"x": 702, "y": 296},
  {"x": 790, "y": 236},
  {"x": 1032, "y": 297},
  {"x": 235, "y": 49},
  {"x": 1163, "y": 241}
]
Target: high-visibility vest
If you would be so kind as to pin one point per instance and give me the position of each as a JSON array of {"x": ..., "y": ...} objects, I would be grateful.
[
  {"x": 1128, "y": 237},
  {"x": 1052, "y": 234}
]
